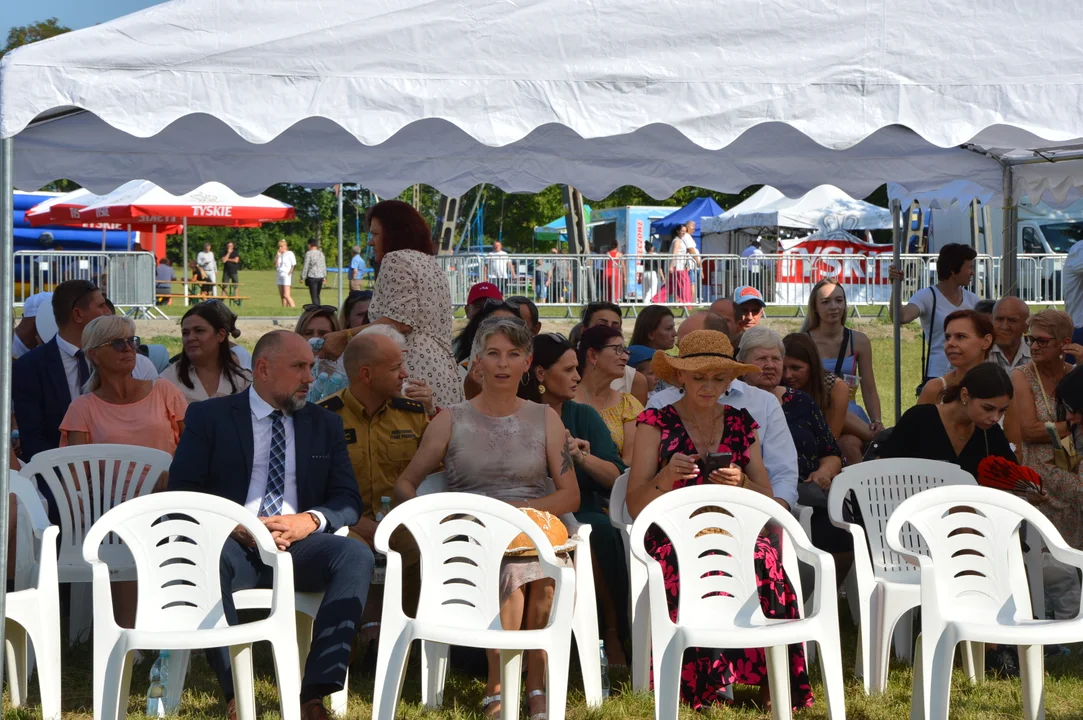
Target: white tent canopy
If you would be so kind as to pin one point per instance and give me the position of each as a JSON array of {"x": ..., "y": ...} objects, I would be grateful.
[
  {"x": 561, "y": 91},
  {"x": 825, "y": 208}
]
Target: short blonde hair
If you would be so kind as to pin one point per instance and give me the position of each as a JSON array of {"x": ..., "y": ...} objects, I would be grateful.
[
  {"x": 1055, "y": 322},
  {"x": 98, "y": 332}
]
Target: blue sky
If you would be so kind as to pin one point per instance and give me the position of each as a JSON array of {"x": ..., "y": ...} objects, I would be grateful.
[{"x": 73, "y": 13}]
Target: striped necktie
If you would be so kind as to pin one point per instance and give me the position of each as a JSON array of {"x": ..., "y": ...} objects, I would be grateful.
[{"x": 276, "y": 472}]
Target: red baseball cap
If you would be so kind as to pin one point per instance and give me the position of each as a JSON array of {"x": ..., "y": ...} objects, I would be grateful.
[{"x": 484, "y": 291}]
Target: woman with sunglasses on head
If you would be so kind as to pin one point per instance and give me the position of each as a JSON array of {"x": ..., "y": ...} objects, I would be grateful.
[
  {"x": 355, "y": 309},
  {"x": 317, "y": 321},
  {"x": 413, "y": 296},
  {"x": 207, "y": 366},
  {"x": 553, "y": 379},
  {"x": 968, "y": 338},
  {"x": 118, "y": 409},
  {"x": 602, "y": 359}
]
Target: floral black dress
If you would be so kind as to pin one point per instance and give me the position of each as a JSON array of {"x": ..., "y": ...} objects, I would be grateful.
[{"x": 708, "y": 673}]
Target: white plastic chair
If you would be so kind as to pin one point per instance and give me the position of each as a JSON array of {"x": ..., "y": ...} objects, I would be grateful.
[
  {"x": 974, "y": 587},
  {"x": 584, "y": 616},
  {"x": 462, "y": 538},
  {"x": 176, "y": 540},
  {"x": 307, "y": 604},
  {"x": 888, "y": 587},
  {"x": 719, "y": 605},
  {"x": 34, "y": 612},
  {"x": 639, "y": 613},
  {"x": 86, "y": 482}
]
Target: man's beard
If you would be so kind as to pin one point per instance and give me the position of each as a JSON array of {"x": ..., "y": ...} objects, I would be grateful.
[{"x": 290, "y": 403}]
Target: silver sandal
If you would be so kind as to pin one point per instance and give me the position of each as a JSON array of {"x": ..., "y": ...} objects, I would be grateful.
[
  {"x": 537, "y": 716},
  {"x": 489, "y": 700}
]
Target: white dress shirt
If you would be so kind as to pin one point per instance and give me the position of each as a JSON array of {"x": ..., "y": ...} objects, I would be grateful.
[
  {"x": 144, "y": 368},
  {"x": 776, "y": 443},
  {"x": 261, "y": 460},
  {"x": 1022, "y": 357},
  {"x": 1073, "y": 284}
]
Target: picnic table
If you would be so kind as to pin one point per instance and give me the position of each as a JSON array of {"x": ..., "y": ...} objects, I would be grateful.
[{"x": 229, "y": 295}]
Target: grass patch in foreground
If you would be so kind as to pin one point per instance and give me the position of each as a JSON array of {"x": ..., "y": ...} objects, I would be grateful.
[{"x": 995, "y": 698}]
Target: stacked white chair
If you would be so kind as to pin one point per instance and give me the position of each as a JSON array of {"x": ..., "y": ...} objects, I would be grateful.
[
  {"x": 307, "y": 604},
  {"x": 33, "y": 613},
  {"x": 974, "y": 587},
  {"x": 86, "y": 481},
  {"x": 888, "y": 587},
  {"x": 640, "y": 614},
  {"x": 176, "y": 541},
  {"x": 713, "y": 530},
  {"x": 584, "y": 618},
  {"x": 462, "y": 538}
]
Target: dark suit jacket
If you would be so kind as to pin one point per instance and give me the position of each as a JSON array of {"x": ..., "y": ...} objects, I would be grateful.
[
  {"x": 215, "y": 456},
  {"x": 40, "y": 396}
]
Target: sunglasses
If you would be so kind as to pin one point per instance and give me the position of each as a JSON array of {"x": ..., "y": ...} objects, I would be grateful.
[
  {"x": 122, "y": 344},
  {"x": 326, "y": 308},
  {"x": 492, "y": 305},
  {"x": 555, "y": 336},
  {"x": 357, "y": 295},
  {"x": 86, "y": 291}
]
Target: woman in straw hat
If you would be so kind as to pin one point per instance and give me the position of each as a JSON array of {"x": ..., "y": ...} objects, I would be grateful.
[{"x": 668, "y": 444}]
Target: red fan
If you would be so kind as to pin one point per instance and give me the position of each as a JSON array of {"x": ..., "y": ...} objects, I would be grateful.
[{"x": 996, "y": 472}]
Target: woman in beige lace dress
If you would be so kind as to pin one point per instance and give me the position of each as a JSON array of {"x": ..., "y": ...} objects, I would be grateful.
[
  {"x": 1048, "y": 334},
  {"x": 411, "y": 295}
]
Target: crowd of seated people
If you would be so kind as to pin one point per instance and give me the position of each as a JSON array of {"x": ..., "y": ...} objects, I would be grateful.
[{"x": 546, "y": 422}]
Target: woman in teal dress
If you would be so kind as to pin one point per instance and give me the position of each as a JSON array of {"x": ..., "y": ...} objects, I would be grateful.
[{"x": 553, "y": 378}]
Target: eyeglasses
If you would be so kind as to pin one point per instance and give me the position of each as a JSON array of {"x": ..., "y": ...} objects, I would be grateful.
[
  {"x": 1038, "y": 342},
  {"x": 327, "y": 308},
  {"x": 618, "y": 350},
  {"x": 122, "y": 344}
]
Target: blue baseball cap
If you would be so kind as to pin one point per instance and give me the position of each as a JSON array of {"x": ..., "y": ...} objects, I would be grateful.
[{"x": 638, "y": 354}]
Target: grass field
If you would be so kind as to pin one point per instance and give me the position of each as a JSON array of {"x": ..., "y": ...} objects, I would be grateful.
[{"x": 996, "y": 698}]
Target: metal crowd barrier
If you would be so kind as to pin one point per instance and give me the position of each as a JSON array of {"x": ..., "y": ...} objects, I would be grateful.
[
  {"x": 126, "y": 278},
  {"x": 785, "y": 280}
]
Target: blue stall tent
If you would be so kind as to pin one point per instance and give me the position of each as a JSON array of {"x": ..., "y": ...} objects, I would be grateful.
[
  {"x": 696, "y": 210},
  {"x": 557, "y": 231},
  {"x": 47, "y": 237}
]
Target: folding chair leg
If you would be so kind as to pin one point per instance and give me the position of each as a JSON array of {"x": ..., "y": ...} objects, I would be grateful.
[
  {"x": 178, "y": 673},
  {"x": 667, "y": 681},
  {"x": 391, "y": 659},
  {"x": 558, "y": 665},
  {"x": 288, "y": 674},
  {"x": 831, "y": 672},
  {"x": 1032, "y": 673}
]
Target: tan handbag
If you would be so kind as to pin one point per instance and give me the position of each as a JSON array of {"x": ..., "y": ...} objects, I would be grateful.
[{"x": 1065, "y": 456}]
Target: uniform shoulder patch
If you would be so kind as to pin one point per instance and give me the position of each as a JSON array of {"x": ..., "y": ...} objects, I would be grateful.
[
  {"x": 401, "y": 403},
  {"x": 333, "y": 403}
]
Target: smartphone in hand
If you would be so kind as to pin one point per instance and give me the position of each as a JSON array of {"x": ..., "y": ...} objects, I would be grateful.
[{"x": 714, "y": 461}]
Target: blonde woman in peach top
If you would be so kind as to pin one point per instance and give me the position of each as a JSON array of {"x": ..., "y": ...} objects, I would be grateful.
[{"x": 116, "y": 408}]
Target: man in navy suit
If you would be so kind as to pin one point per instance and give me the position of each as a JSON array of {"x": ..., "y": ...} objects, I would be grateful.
[
  {"x": 286, "y": 461},
  {"x": 49, "y": 377}
]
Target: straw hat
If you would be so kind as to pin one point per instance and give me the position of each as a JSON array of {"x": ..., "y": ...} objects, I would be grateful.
[{"x": 705, "y": 351}]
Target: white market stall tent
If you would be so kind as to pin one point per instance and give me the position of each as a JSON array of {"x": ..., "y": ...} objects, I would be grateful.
[{"x": 583, "y": 92}]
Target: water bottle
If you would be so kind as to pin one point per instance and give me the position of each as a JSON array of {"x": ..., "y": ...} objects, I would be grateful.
[
  {"x": 379, "y": 570},
  {"x": 603, "y": 659},
  {"x": 159, "y": 681}
]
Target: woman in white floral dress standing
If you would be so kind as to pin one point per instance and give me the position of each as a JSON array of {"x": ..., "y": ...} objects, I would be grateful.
[{"x": 412, "y": 295}]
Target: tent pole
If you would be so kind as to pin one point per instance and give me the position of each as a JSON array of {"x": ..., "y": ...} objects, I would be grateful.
[
  {"x": 1009, "y": 252},
  {"x": 7, "y": 293},
  {"x": 103, "y": 238},
  {"x": 340, "y": 244},
  {"x": 896, "y": 299},
  {"x": 184, "y": 222},
  {"x": 129, "y": 238}
]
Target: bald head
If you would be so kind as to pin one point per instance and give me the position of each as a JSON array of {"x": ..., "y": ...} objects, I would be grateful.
[
  {"x": 275, "y": 342},
  {"x": 282, "y": 370},
  {"x": 1010, "y": 320},
  {"x": 374, "y": 365},
  {"x": 702, "y": 320},
  {"x": 727, "y": 309}
]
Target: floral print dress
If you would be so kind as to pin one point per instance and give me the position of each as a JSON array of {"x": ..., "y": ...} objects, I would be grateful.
[{"x": 708, "y": 673}]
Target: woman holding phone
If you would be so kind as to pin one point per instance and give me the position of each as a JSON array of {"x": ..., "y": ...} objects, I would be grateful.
[{"x": 696, "y": 441}]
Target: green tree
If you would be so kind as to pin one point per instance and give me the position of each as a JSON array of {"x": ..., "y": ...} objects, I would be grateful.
[{"x": 26, "y": 34}]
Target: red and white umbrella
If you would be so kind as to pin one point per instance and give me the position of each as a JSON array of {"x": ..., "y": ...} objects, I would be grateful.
[
  {"x": 64, "y": 209},
  {"x": 144, "y": 202}
]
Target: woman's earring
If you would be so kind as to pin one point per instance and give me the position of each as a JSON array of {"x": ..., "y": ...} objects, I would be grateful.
[
  {"x": 526, "y": 379},
  {"x": 541, "y": 389}
]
